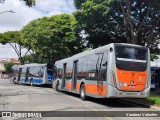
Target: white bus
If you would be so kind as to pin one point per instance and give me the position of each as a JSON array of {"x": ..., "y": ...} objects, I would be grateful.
[
  {"x": 34, "y": 74},
  {"x": 117, "y": 70}
]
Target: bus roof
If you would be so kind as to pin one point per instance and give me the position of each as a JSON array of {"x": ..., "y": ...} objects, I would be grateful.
[
  {"x": 82, "y": 54},
  {"x": 32, "y": 64}
]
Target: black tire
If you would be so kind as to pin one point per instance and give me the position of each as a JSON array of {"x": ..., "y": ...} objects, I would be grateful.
[
  {"x": 52, "y": 84},
  {"x": 14, "y": 80},
  {"x": 58, "y": 87},
  {"x": 31, "y": 82},
  {"x": 83, "y": 92}
]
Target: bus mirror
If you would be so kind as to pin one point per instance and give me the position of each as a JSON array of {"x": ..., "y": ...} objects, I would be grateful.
[{"x": 111, "y": 49}]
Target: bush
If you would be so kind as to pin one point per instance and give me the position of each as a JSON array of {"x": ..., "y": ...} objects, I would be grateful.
[{"x": 8, "y": 67}]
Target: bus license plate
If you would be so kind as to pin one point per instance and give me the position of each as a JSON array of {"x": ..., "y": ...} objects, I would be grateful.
[{"x": 130, "y": 93}]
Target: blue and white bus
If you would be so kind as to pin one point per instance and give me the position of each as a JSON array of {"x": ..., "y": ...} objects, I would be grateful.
[{"x": 34, "y": 74}]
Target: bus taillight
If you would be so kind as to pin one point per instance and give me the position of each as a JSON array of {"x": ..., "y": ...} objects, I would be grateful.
[
  {"x": 113, "y": 79},
  {"x": 148, "y": 81}
]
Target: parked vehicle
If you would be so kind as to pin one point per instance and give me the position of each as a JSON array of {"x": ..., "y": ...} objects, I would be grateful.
[
  {"x": 34, "y": 74},
  {"x": 113, "y": 71},
  {"x": 155, "y": 78}
]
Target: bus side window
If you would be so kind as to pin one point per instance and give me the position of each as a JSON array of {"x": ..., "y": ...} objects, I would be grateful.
[
  {"x": 103, "y": 71},
  {"x": 82, "y": 68},
  {"x": 54, "y": 72},
  {"x": 40, "y": 72},
  {"x": 69, "y": 70},
  {"x": 93, "y": 66},
  {"x": 59, "y": 69}
]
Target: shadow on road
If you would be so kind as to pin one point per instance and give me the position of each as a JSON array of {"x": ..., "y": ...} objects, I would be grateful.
[{"x": 115, "y": 103}]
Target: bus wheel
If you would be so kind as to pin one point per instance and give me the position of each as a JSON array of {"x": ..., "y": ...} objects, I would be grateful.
[
  {"x": 31, "y": 82},
  {"x": 14, "y": 80},
  {"x": 58, "y": 87},
  {"x": 83, "y": 92},
  {"x": 52, "y": 84}
]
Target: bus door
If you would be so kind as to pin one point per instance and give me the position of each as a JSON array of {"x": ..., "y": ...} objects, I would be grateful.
[
  {"x": 98, "y": 72},
  {"x": 49, "y": 72},
  {"x": 74, "y": 80},
  {"x": 64, "y": 75},
  {"x": 19, "y": 74},
  {"x": 27, "y": 73},
  {"x": 101, "y": 68}
]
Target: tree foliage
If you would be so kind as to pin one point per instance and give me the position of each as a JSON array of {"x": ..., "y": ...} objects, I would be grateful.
[
  {"x": 131, "y": 21},
  {"x": 92, "y": 18},
  {"x": 138, "y": 21},
  {"x": 8, "y": 67},
  {"x": 51, "y": 38},
  {"x": 14, "y": 39},
  {"x": 47, "y": 39},
  {"x": 29, "y": 3},
  {"x": 2, "y": 1},
  {"x": 28, "y": 59}
]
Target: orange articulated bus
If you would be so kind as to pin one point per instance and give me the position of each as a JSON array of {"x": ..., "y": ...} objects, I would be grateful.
[{"x": 117, "y": 70}]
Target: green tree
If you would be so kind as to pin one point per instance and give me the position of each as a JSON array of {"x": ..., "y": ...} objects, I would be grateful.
[
  {"x": 93, "y": 19},
  {"x": 2, "y": 1},
  {"x": 51, "y": 38},
  {"x": 28, "y": 59},
  {"x": 8, "y": 67},
  {"x": 14, "y": 39},
  {"x": 29, "y": 3},
  {"x": 131, "y": 21},
  {"x": 139, "y": 21}
]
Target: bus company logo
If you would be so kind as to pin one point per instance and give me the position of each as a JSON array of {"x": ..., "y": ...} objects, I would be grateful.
[
  {"x": 123, "y": 84},
  {"x": 132, "y": 82},
  {"x": 6, "y": 114}
]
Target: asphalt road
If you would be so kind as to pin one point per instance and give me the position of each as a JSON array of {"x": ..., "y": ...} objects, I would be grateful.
[{"x": 14, "y": 97}]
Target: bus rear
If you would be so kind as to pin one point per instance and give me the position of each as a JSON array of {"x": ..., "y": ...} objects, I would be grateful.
[{"x": 129, "y": 72}]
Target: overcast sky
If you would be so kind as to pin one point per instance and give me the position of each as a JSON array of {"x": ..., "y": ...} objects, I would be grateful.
[{"x": 24, "y": 14}]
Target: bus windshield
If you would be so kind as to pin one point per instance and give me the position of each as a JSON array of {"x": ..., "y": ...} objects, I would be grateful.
[{"x": 131, "y": 53}]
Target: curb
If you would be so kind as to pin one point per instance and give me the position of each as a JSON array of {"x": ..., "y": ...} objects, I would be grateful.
[{"x": 145, "y": 105}]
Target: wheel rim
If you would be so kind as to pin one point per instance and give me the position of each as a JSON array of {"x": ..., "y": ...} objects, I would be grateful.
[
  {"x": 31, "y": 83},
  {"x": 58, "y": 87},
  {"x": 52, "y": 85},
  {"x": 82, "y": 92}
]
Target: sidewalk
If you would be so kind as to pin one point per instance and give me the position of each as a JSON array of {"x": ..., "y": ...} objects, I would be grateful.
[{"x": 146, "y": 102}]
